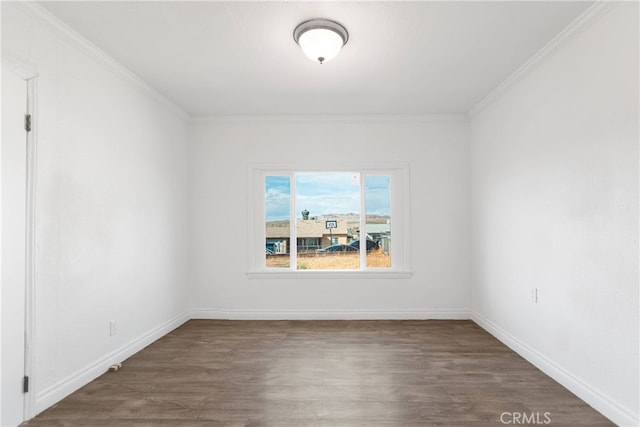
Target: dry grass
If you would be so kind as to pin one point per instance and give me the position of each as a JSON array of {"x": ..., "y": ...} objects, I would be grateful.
[
  {"x": 331, "y": 261},
  {"x": 378, "y": 259}
]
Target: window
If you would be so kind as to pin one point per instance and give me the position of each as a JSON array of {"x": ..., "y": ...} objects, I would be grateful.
[{"x": 347, "y": 220}]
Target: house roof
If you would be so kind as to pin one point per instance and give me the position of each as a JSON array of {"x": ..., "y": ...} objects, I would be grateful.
[
  {"x": 277, "y": 229},
  {"x": 378, "y": 228},
  {"x": 308, "y": 228}
]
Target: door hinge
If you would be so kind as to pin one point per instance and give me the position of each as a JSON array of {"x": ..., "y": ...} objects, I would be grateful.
[
  {"x": 25, "y": 385},
  {"x": 27, "y": 122}
]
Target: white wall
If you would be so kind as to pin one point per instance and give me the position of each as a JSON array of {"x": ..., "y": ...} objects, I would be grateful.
[
  {"x": 111, "y": 209},
  {"x": 555, "y": 207},
  {"x": 437, "y": 150}
]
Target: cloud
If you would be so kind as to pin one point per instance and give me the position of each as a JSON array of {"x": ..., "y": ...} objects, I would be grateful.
[
  {"x": 277, "y": 197},
  {"x": 378, "y": 194},
  {"x": 323, "y": 193}
]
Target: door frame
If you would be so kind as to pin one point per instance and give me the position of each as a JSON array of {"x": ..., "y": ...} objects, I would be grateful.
[{"x": 29, "y": 72}]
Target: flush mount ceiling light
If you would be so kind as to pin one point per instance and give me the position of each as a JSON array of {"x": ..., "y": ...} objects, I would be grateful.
[{"x": 320, "y": 39}]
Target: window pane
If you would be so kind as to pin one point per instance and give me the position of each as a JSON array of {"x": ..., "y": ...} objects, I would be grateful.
[
  {"x": 327, "y": 220},
  {"x": 277, "y": 223},
  {"x": 378, "y": 220}
]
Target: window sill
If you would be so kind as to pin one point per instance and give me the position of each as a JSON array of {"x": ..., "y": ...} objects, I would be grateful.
[{"x": 306, "y": 274}]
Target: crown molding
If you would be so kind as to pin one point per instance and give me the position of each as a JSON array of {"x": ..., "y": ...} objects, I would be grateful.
[
  {"x": 20, "y": 66},
  {"x": 403, "y": 118},
  {"x": 72, "y": 37},
  {"x": 577, "y": 26}
]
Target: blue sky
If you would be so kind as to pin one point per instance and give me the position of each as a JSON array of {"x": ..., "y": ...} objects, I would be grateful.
[
  {"x": 277, "y": 197},
  {"x": 326, "y": 193}
]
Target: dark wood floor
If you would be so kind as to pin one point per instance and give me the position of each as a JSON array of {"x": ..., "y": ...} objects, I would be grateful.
[{"x": 322, "y": 373}]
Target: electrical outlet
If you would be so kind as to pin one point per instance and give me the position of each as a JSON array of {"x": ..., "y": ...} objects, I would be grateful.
[{"x": 112, "y": 328}]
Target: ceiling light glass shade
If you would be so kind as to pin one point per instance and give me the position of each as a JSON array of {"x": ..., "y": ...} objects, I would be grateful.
[
  {"x": 320, "y": 45},
  {"x": 320, "y": 39}
]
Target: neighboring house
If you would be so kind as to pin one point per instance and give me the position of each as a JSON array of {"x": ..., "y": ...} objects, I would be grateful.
[
  {"x": 277, "y": 237},
  {"x": 377, "y": 232},
  {"x": 311, "y": 234}
]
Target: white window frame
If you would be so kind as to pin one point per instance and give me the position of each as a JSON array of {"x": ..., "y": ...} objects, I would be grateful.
[{"x": 400, "y": 217}]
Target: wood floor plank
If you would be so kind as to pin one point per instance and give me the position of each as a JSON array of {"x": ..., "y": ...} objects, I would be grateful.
[{"x": 321, "y": 373}]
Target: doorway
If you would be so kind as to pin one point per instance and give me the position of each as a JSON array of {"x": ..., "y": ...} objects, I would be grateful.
[{"x": 17, "y": 182}]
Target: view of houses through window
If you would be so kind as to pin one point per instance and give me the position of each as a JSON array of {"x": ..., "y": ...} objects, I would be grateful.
[{"x": 327, "y": 218}]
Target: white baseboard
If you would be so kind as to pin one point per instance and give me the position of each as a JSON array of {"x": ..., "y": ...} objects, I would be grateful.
[
  {"x": 65, "y": 387},
  {"x": 235, "y": 314},
  {"x": 599, "y": 401}
]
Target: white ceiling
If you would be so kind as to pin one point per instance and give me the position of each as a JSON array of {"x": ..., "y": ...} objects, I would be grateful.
[{"x": 239, "y": 58}]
